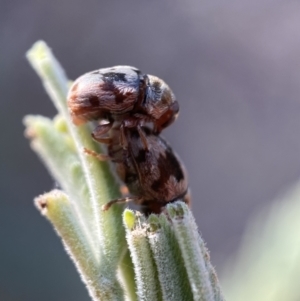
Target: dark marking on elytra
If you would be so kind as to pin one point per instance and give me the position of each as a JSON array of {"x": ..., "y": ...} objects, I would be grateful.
[
  {"x": 173, "y": 164},
  {"x": 168, "y": 165},
  {"x": 119, "y": 97},
  {"x": 141, "y": 157},
  {"x": 130, "y": 178},
  {"x": 156, "y": 185},
  {"x": 115, "y": 76},
  {"x": 94, "y": 100}
]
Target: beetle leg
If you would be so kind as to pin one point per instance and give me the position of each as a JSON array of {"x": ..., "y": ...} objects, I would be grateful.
[
  {"x": 123, "y": 139},
  {"x": 143, "y": 137},
  {"x": 106, "y": 206},
  {"x": 100, "y": 130},
  {"x": 130, "y": 124},
  {"x": 105, "y": 140},
  {"x": 100, "y": 157}
]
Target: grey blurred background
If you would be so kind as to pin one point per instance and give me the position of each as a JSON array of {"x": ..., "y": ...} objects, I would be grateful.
[{"x": 235, "y": 69}]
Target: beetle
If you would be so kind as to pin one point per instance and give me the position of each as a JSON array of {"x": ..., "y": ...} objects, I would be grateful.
[
  {"x": 154, "y": 176},
  {"x": 132, "y": 109},
  {"x": 123, "y": 92}
]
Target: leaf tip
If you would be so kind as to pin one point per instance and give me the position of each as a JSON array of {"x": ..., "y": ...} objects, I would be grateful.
[
  {"x": 60, "y": 124},
  {"x": 154, "y": 223},
  {"x": 177, "y": 210},
  {"x": 38, "y": 50},
  {"x": 44, "y": 201},
  {"x": 129, "y": 219}
]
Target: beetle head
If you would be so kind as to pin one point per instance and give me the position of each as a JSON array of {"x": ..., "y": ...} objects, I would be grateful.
[{"x": 160, "y": 103}]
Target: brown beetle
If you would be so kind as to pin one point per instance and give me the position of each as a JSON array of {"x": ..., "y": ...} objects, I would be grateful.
[
  {"x": 122, "y": 92},
  {"x": 132, "y": 108},
  {"x": 154, "y": 176}
]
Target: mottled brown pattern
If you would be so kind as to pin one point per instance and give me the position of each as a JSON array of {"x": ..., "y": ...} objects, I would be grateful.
[
  {"x": 136, "y": 108},
  {"x": 121, "y": 92},
  {"x": 155, "y": 176}
]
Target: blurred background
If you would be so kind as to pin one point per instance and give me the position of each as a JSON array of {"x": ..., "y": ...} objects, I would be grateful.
[{"x": 235, "y": 69}]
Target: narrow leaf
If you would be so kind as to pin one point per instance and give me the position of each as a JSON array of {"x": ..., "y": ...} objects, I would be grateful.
[
  {"x": 187, "y": 237},
  {"x": 57, "y": 150},
  {"x": 101, "y": 184},
  {"x": 59, "y": 210},
  {"x": 145, "y": 270},
  {"x": 171, "y": 270}
]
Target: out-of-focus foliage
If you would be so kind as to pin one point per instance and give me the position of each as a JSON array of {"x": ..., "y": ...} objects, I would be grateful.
[{"x": 267, "y": 265}]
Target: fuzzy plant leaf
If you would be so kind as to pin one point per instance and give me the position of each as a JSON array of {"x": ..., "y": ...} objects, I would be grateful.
[
  {"x": 101, "y": 186},
  {"x": 174, "y": 260},
  {"x": 187, "y": 236},
  {"x": 148, "y": 287},
  {"x": 58, "y": 209},
  {"x": 53, "y": 143},
  {"x": 171, "y": 269},
  {"x": 119, "y": 257}
]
